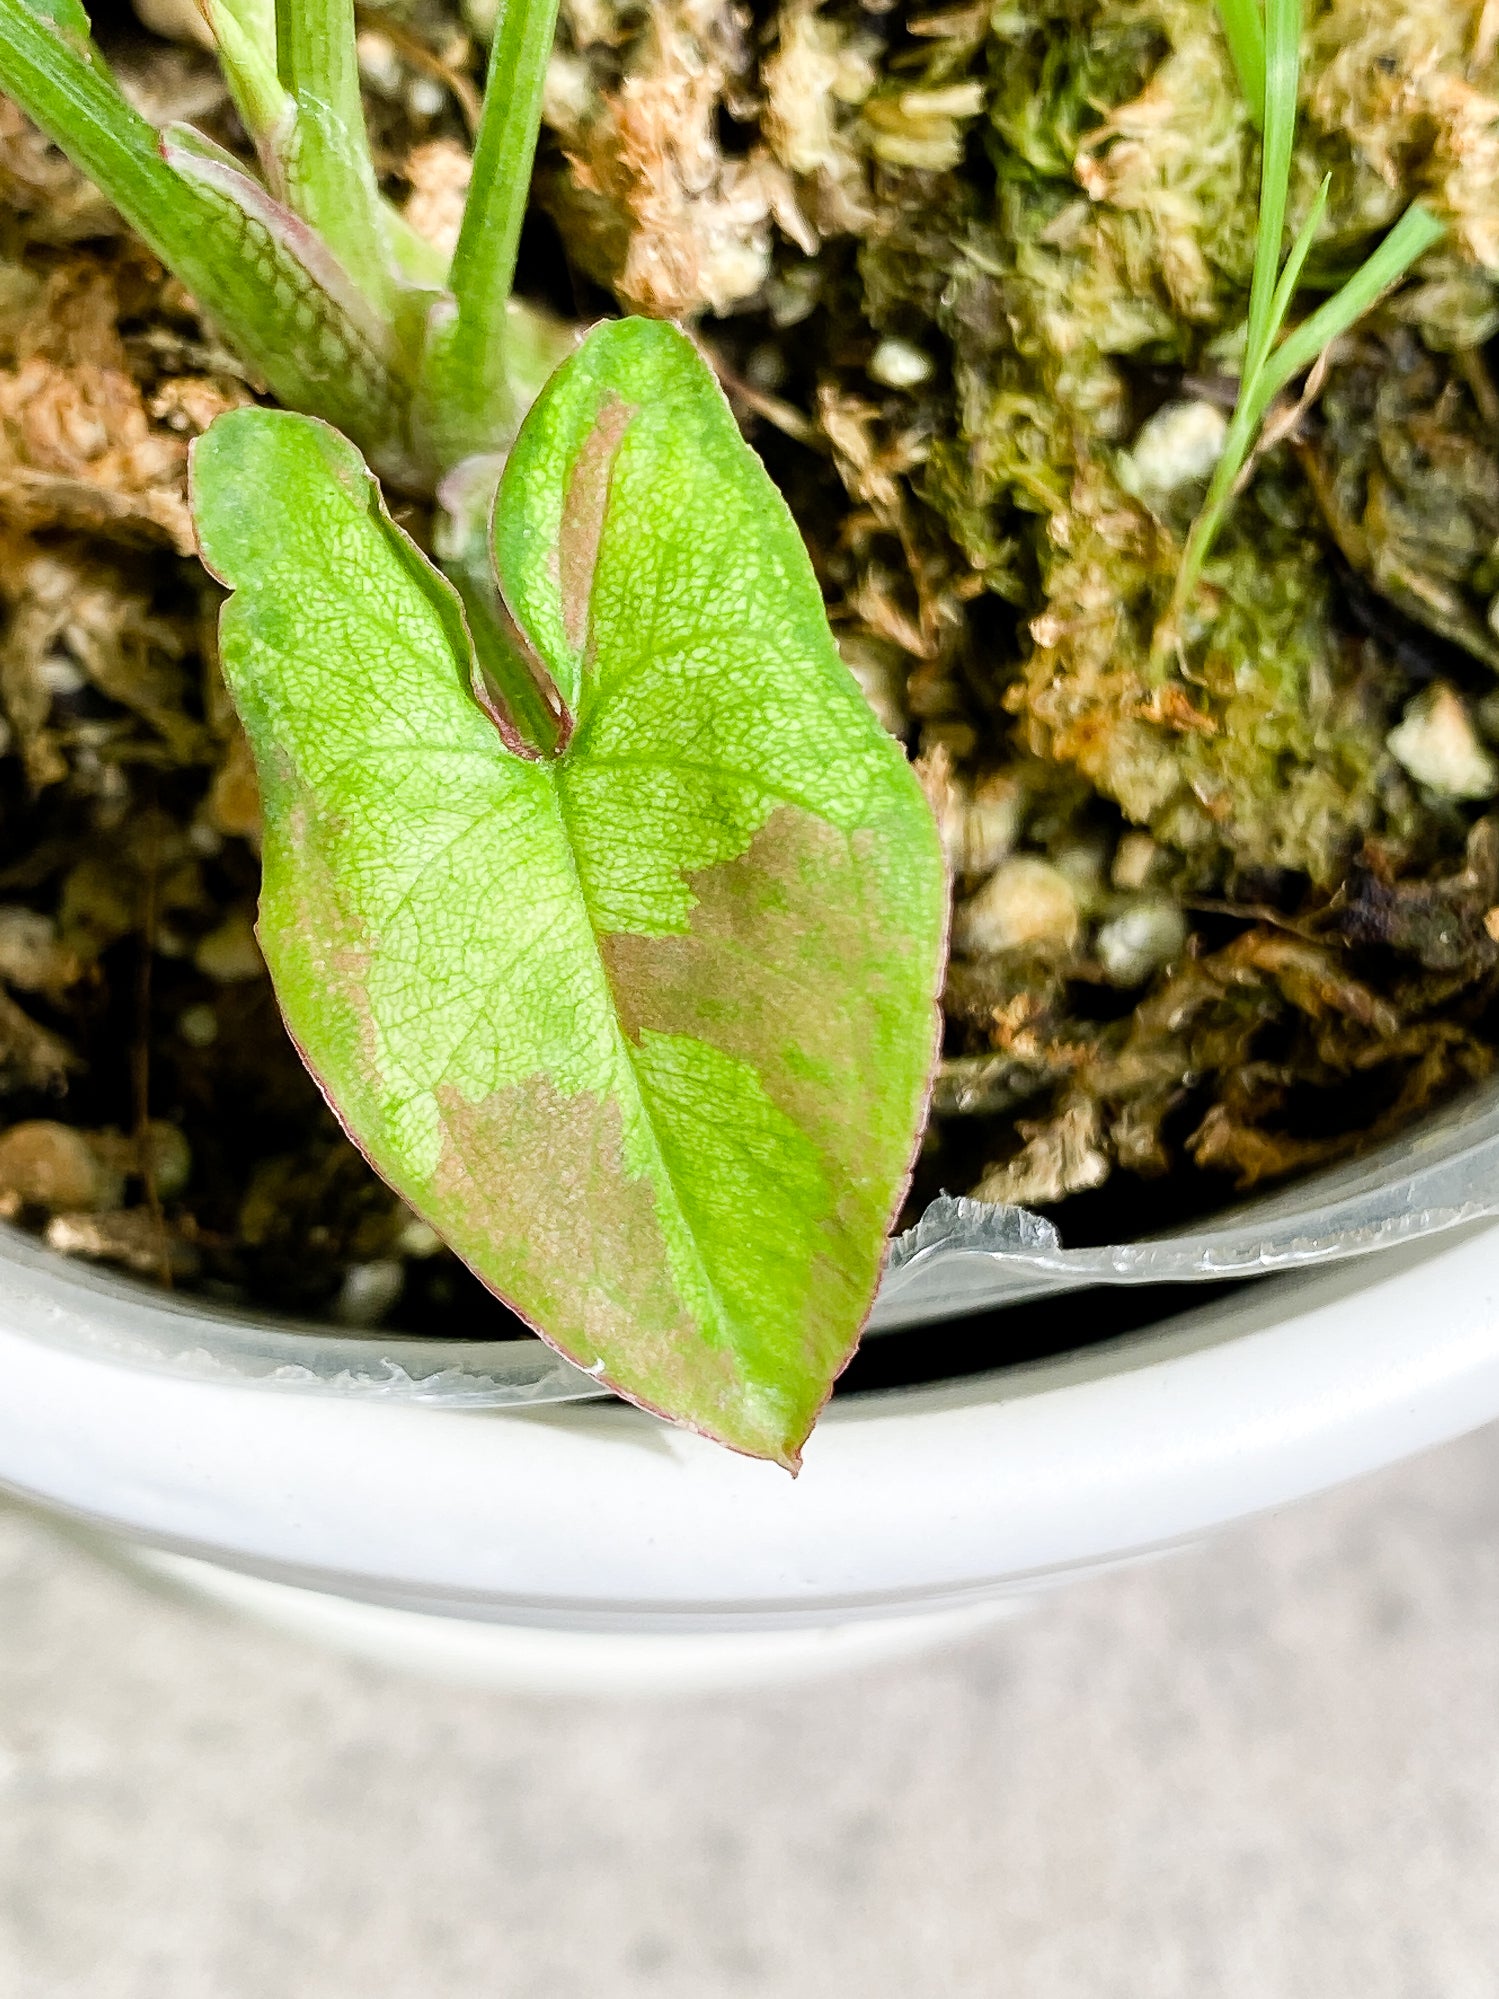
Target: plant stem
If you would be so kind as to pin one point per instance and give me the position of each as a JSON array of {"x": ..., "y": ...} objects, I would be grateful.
[
  {"x": 241, "y": 277},
  {"x": 330, "y": 178},
  {"x": 71, "y": 95},
  {"x": 244, "y": 33},
  {"x": 469, "y": 368}
]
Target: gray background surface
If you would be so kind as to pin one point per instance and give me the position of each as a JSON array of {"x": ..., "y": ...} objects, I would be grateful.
[{"x": 1265, "y": 1769}]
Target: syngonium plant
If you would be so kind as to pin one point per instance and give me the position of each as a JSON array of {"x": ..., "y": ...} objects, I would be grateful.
[
  {"x": 597, "y": 901},
  {"x": 595, "y": 898}
]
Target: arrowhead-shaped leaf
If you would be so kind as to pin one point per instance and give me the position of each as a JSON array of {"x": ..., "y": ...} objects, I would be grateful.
[{"x": 643, "y": 1028}]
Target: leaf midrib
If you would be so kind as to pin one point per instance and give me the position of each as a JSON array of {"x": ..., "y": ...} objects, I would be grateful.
[{"x": 726, "y": 1318}]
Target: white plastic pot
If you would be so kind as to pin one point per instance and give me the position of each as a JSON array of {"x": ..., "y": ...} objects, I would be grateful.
[{"x": 584, "y": 1543}]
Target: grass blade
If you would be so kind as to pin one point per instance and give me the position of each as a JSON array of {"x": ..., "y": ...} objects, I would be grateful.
[
  {"x": 1282, "y": 75},
  {"x": 1417, "y": 231},
  {"x": 1413, "y": 235},
  {"x": 1245, "y": 33},
  {"x": 1296, "y": 257}
]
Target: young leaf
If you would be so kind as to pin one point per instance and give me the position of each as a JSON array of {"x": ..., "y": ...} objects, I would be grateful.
[
  {"x": 1282, "y": 73},
  {"x": 645, "y": 1028},
  {"x": 244, "y": 33}
]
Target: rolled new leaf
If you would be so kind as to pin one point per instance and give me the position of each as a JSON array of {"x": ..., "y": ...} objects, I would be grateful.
[{"x": 644, "y": 1029}]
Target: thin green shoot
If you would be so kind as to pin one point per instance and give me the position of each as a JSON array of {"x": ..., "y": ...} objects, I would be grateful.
[
  {"x": 1282, "y": 79},
  {"x": 1249, "y": 413},
  {"x": 1244, "y": 31},
  {"x": 1270, "y": 362},
  {"x": 1417, "y": 231}
]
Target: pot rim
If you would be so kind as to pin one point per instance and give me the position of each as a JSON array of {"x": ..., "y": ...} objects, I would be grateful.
[{"x": 912, "y": 1500}]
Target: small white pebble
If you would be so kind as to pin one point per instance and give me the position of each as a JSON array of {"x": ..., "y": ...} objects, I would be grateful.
[
  {"x": 881, "y": 673},
  {"x": 899, "y": 364},
  {"x": 1134, "y": 861},
  {"x": 62, "y": 676},
  {"x": 1026, "y": 904},
  {"x": 418, "y": 1239},
  {"x": 198, "y": 1026},
  {"x": 174, "y": 21},
  {"x": 989, "y": 825},
  {"x": 1083, "y": 862},
  {"x": 54, "y": 1166},
  {"x": 569, "y": 92},
  {"x": 1140, "y": 940},
  {"x": 30, "y": 955},
  {"x": 1178, "y": 446},
  {"x": 425, "y": 97},
  {"x": 1438, "y": 744},
  {"x": 765, "y": 366},
  {"x": 368, "y": 1292},
  {"x": 379, "y": 64}
]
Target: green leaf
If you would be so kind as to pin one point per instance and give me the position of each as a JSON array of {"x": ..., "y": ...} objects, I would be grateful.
[{"x": 644, "y": 1029}]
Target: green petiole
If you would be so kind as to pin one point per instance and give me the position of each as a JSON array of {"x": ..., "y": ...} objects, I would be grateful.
[
  {"x": 244, "y": 32},
  {"x": 330, "y": 180},
  {"x": 468, "y": 376}
]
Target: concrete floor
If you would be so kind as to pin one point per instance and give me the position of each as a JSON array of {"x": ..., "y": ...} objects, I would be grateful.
[{"x": 1265, "y": 1770}]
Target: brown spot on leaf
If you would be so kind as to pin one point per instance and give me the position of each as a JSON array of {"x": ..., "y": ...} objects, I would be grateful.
[
  {"x": 795, "y": 963},
  {"x": 583, "y": 511},
  {"x": 535, "y": 1183}
]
